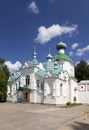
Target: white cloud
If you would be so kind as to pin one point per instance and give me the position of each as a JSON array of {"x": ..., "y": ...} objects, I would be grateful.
[
  {"x": 13, "y": 67},
  {"x": 33, "y": 7},
  {"x": 84, "y": 60},
  {"x": 87, "y": 62},
  {"x": 77, "y": 62},
  {"x": 81, "y": 51},
  {"x": 46, "y": 34},
  {"x": 74, "y": 46},
  {"x": 71, "y": 53}
]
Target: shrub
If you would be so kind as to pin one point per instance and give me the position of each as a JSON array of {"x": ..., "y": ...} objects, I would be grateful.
[{"x": 68, "y": 103}]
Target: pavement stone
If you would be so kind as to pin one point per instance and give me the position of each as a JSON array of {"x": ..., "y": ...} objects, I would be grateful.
[{"x": 21, "y": 116}]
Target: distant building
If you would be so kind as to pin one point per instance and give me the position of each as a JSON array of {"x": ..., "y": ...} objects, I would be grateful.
[
  {"x": 83, "y": 91},
  {"x": 51, "y": 82}
]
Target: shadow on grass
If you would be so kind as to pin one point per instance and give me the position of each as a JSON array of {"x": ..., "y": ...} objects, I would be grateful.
[{"x": 80, "y": 126}]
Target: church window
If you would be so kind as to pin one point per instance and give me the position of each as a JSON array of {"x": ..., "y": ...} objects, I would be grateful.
[
  {"x": 19, "y": 83},
  {"x": 38, "y": 83},
  {"x": 81, "y": 87},
  {"x": 42, "y": 85},
  {"x": 16, "y": 86},
  {"x": 74, "y": 98},
  {"x": 61, "y": 89},
  {"x": 27, "y": 79},
  {"x": 10, "y": 91}
]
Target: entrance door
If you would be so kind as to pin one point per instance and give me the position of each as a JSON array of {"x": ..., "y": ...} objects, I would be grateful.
[{"x": 28, "y": 96}]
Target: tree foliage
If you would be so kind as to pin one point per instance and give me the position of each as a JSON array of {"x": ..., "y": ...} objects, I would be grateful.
[
  {"x": 82, "y": 71},
  {"x": 4, "y": 75}
]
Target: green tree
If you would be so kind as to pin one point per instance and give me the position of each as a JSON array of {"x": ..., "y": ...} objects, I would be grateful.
[
  {"x": 4, "y": 75},
  {"x": 82, "y": 71}
]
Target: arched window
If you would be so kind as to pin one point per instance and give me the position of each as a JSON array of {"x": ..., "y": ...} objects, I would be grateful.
[
  {"x": 19, "y": 83},
  {"x": 38, "y": 83},
  {"x": 10, "y": 90},
  {"x": 27, "y": 79},
  {"x": 61, "y": 89},
  {"x": 16, "y": 86},
  {"x": 42, "y": 85}
]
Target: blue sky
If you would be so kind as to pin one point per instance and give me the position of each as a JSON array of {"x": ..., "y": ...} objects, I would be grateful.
[{"x": 41, "y": 23}]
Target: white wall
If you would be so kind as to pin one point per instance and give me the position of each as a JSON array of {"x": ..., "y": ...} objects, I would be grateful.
[
  {"x": 49, "y": 100},
  {"x": 49, "y": 86},
  {"x": 28, "y": 71},
  {"x": 73, "y": 93},
  {"x": 36, "y": 96},
  {"x": 69, "y": 67},
  {"x": 58, "y": 96},
  {"x": 83, "y": 92}
]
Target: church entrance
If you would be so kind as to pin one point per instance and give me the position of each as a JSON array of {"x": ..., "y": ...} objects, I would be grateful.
[{"x": 27, "y": 96}]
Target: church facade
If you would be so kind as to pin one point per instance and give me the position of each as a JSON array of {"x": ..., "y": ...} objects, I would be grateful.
[{"x": 51, "y": 82}]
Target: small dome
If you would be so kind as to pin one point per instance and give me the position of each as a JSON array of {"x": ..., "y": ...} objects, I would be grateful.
[
  {"x": 35, "y": 61},
  {"x": 61, "y": 45},
  {"x": 49, "y": 56}
]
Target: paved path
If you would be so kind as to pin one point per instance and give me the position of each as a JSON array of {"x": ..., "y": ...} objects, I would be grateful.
[{"x": 38, "y": 117}]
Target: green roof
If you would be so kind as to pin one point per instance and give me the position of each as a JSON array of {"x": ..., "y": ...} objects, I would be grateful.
[
  {"x": 41, "y": 73},
  {"x": 56, "y": 72},
  {"x": 35, "y": 62},
  {"x": 63, "y": 57},
  {"x": 14, "y": 76},
  {"x": 50, "y": 66},
  {"x": 25, "y": 88}
]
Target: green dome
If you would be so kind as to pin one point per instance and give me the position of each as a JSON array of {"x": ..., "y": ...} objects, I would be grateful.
[
  {"x": 61, "y": 45},
  {"x": 62, "y": 57},
  {"x": 35, "y": 62}
]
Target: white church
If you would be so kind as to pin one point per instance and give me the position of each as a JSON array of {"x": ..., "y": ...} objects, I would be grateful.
[{"x": 51, "y": 82}]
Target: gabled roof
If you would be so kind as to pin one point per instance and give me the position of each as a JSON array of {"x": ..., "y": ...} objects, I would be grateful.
[
  {"x": 30, "y": 63},
  {"x": 25, "y": 88},
  {"x": 50, "y": 67},
  {"x": 41, "y": 73},
  {"x": 84, "y": 82},
  {"x": 27, "y": 64},
  {"x": 14, "y": 76},
  {"x": 56, "y": 72}
]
